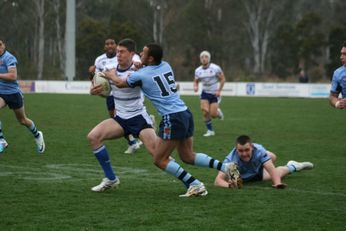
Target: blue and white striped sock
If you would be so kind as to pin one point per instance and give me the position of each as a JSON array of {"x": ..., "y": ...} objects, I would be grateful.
[
  {"x": 176, "y": 170},
  {"x": 34, "y": 130},
  {"x": 203, "y": 160}
]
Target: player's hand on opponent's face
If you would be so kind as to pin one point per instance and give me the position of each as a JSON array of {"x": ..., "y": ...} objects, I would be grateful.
[
  {"x": 96, "y": 90},
  {"x": 280, "y": 186}
]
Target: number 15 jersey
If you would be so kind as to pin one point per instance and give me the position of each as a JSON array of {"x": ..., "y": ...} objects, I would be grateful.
[{"x": 158, "y": 85}]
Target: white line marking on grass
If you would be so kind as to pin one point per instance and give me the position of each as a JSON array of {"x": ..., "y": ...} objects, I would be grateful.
[
  {"x": 70, "y": 172},
  {"x": 322, "y": 193}
]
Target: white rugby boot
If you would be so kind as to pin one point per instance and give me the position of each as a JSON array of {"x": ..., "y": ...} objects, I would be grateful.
[
  {"x": 106, "y": 184},
  {"x": 40, "y": 143},
  {"x": 220, "y": 114},
  {"x": 195, "y": 191},
  {"x": 132, "y": 148},
  {"x": 209, "y": 133},
  {"x": 300, "y": 165},
  {"x": 3, "y": 145}
]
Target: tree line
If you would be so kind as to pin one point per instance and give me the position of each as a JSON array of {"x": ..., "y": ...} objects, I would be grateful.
[{"x": 252, "y": 40}]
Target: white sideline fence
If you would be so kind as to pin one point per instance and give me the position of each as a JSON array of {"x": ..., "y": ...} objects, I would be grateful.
[{"x": 306, "y": 90}]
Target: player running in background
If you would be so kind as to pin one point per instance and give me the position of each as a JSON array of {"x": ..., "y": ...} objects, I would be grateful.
[
  {"x": 157, "y": 82},
  {"x": 339, "y": 83},
  {"x": 11, "y": 95},
  {"x": 255, "y": 163},
  {"x": 131, "y": 117},
  {"x": 108, "y": 61},
  {"x": 213, "y": 80}
]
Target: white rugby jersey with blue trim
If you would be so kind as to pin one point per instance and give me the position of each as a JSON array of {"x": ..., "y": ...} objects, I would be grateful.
[
  {"x": 129, "y": 102},
  {"x": 209, "y": 77}
]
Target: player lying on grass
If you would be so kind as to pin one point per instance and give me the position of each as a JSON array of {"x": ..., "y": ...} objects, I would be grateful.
[{"x": 255, "y": 163}]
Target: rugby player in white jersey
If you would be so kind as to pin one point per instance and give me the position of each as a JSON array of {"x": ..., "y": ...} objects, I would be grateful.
[
  {"x": 108, "y": 61},
  {"x": 131, "y": 117},
  {"x": 213, "y": 80}
]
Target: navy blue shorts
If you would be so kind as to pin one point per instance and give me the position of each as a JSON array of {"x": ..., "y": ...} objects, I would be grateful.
[
  {"x": 110, "y": 103},
  {"x": 257, "y": 177},
  {"x": 210, "y": 97},
  {"x": 14, "y": 101},
  {"x": 134, "y": 125},
  {"x": 177, "y": 126}
]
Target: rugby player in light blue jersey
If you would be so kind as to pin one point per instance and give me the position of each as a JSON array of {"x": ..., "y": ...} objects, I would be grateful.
[
  {"x": 11, "y": 95},
  {"x": 255, "y": 163},
  {"x": 339, "y": 83},
  {"x": 157, "y": 82},
  {"x": 213, "y": 79}
]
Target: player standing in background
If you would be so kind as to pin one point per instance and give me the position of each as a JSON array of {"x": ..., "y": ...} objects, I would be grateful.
[
  {"x": 255, "y": 163},
  {"x": 339, "y": 83},
  {"x": 157, "y": 82},
  {"x": 108, "y": 61},
  {"x": 213, "y": 80},
  {"x": 131, "y": 117},
  {"x": 11, "y": 95}
]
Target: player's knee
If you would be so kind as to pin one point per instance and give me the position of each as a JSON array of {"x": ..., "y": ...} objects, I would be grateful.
[
  {"x": 213, "y": 115},
  {"x": 92, "y": 138},
  {"x": 205, "y": 112}
]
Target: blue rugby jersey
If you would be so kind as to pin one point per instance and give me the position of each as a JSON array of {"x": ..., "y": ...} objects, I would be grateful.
[
  {"x": 339, "y": 81},
  {"x": 158, "y": 85},
  {"x": 7, "y": 61}
]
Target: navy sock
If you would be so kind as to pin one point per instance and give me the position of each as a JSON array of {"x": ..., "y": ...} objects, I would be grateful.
[
  {"x": 209, "y": 125},
  {"x": 102, "y": 156}
]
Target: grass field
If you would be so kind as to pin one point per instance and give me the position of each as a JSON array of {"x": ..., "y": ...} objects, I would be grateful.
[{"x": 51, "y": 191}]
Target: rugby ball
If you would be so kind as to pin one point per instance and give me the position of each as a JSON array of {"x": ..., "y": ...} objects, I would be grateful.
[{"x": 99, "y": 80}]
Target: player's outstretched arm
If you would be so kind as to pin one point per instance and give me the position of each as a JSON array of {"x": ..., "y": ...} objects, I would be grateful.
[
  {"x": 274, "y": 174},
  {"x": 221, "y": 180}
]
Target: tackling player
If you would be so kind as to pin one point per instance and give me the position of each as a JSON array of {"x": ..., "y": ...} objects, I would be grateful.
[{"x": 157, "y": 82}]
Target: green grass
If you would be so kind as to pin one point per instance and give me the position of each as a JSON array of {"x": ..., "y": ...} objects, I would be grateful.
[{"x": 52, "y": 191}]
